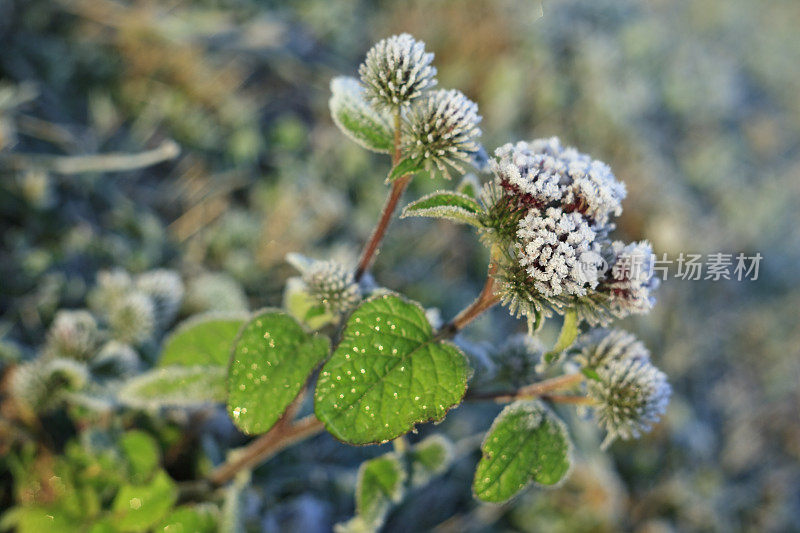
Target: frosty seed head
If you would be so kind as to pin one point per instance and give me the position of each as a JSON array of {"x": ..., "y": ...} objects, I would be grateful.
[
  {"x": 600, "y": 347},
  {"x": 629, "y": 282},
  {"x": 133, "y": 319},
  {"x": 165, "y": 289},
  {"x": 559, "y": 252},
  {"x": 37, "y": 385},
  {"x": 517, "y": 360},
  {"x": 115, "y": 360},
  {"x": 73, "y": 335},
  {"x": 332, "y": 285},
  {"x": 111, "y": 287},
  {"x": 630, "y": 395},
  {"x": 442, "y": 130},
  {"x": 396, "y": 71}
]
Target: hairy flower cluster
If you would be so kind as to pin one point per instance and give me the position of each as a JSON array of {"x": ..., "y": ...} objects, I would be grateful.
[
  {"x": 600, "y": 347},
  {"x": 37, "y": 385},
  {"x": 72, "y": 335},
  {"x": 396, "y": 71},
  {"x": 631, "y": 395},
  {"x": 165, "y": 290},
  {"x": 549, "y": 212},
  {"x": 332, "y": 285},
  {"x": 442, "y": 129}
]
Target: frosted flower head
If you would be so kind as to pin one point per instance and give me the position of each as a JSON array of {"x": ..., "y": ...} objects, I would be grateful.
[
  {"x": 37, "y": 385},
  {"x": 559, "y": 252},
  {"x": 332, "y": 285},
  {"x": 115, "y": 360},
  {"x": 133, "y": 319},
  {"x": 600, "y": 347},
  {"x": 630, "y": 395},
  {"x": 165, "y": 289},
  {"x": 442, "y": 129},
  {"x": 112, "y": 286},
  {"x": 396, "y": 71},
  {"x": 542, "y": 173},
  {"x": 629, "y": 282},
  {"x": 73, "y": 335}
]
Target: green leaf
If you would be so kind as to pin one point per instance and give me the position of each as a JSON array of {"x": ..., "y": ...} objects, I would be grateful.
[
  {"x": 271, "y": 362},
  {"x": 445, "y": 204},
  {"x": 569, "y": 332},
  {"x": 141, "y": 452},
  {"x": 175, "y": 386},
  {"x": 357, "y": 119},
  {"x": 304, "y": 307},
  {"x": 140, "y": 507},
  {"x": 526, "y": 443},
  {"x": 407, "y": 165},
  {"x": 469, "y": 185},
  {"x": 380, "y": 483},
  {"x": 429, "y": 458},
  {"x": 190, "y": 519},
  {"x": 206, "y": 339},
  {"x": 388, "y": 374}
]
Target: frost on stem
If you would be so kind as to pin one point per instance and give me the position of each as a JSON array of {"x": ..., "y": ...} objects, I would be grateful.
[
  {"x": 442, "y": 130},
  {"x": 396, "y": 71},
  {"x": 631, "y": 395},
  {"x": 549, "y": 211}
]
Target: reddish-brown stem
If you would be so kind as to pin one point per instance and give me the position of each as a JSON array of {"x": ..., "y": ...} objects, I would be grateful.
[
  {"x": 281, "y": 436},
  {"x": 485, "y": 300},
  {"x": 536, "y": 390},
  {"x": 389, "y": 207}
]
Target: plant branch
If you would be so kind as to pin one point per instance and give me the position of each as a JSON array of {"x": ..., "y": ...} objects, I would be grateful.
[
  {"x": 485, "y": 300},
  {"x": 536, "y": 390},
  {"x": 281, "y": 436},
  {"x": 398, "y": 188}
]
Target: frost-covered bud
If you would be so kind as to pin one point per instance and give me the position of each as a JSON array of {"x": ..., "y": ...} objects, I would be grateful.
[
  {"x": 600, "y": 347},
  {"x": 165, "y": 289},
  {"x": 112, "y": 286},
  {"x": 630, "y": 396},
  {"x": 517, "y": 360},
  {"x": 332, "y": 285},
  {"x": 73, "y": 334},
  {"x": 37, "y": 385},
  {"x": 214, "y": 291},
  {"x": 442, "y": 129},
  {"x": 629, "y": 282},
  {"x": 115, "y": 360},
  {"x": 559, "y": 252},
  {"x": 133, "y": 319},
  {"x": 530, "y": 179},
  {"x": 396, "y": 71}
]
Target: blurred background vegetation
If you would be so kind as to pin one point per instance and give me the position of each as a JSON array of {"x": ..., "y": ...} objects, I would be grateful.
[{"x": 693, "y": 104}]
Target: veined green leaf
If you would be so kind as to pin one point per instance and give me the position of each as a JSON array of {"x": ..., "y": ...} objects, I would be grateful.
[
  {"x": 388, "y": 374},
  {"x": 175, "y": 386},
  {"x": 357, "y": 119},
  {"x": 526, "y": 443},
  {"x": 271, "y": 362},
  {"x": 206, "y": 339},
  {"x": 380, "y": 483},
  {"x": 445, "y": 204}
]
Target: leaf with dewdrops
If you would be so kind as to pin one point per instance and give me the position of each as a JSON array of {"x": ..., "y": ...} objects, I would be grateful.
[
  {"x": 357, "y": 119},
  {"x": 271, "y": 361},
  {"x": 175, "y": 386},
  {"x": 447, "y": 205},
  {"x": 526, "y": 443},
  {"x": 388, "y": 374},
  {"x": 206, "y": 339}
]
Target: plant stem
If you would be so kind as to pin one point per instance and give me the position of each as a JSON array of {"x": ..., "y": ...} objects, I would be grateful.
[
  {"x": 485, "y": 300},
  {"x": 281, "y": 436},
  {"x": 389, "y": 207},
  {"x": 536, "y": 390}
]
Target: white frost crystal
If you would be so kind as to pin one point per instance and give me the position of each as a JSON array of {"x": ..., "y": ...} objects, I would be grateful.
[
  {"x": 442, "y": 129},
  {"x": 630, "y": 395},
  {"x": 559, "y": 252},
  {"x": 396, "y": 71}
]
